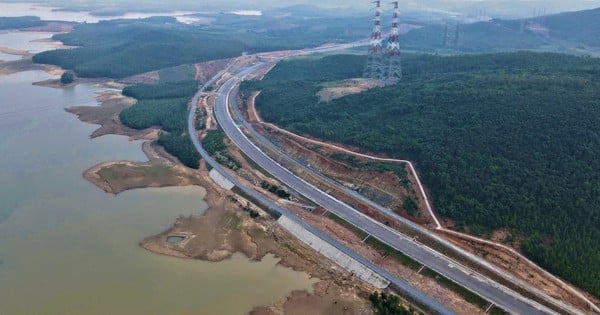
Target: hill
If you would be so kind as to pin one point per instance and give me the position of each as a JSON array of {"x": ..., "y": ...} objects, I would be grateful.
[
  {"x": 572, "y": 32},
  {"x": 503, "y": 141},
  {"x": 577, "y": 27},
  {"x": 118, "y": 49},
  {"x": 121, "y": 48},
  {"x": 20, "y": 22}
]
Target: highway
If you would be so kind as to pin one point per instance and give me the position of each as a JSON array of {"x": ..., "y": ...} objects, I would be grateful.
[
  {"x": 490, "y": 290},
  {"x": 406, "y": 288}
]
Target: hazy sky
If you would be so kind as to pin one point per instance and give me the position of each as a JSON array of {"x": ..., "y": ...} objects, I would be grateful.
[
  {"x": 513, "y": 6},
  {"x": 493, "y": 8}
]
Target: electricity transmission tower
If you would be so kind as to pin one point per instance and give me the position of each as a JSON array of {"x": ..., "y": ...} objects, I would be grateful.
[{"x": 375, "y": 64}]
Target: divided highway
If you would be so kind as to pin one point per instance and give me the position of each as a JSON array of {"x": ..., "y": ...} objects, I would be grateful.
[
  {"x": 414, "y": 293},
  {"x": 490, "y": 290}
]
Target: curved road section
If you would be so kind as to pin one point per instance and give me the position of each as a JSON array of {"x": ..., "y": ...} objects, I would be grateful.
[
  {"x": 490, "y": 290},
  {"x": 414, "y": 293}
]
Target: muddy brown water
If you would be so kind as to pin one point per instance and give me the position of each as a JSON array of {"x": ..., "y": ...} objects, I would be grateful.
[{"x": 66, "y": 247}]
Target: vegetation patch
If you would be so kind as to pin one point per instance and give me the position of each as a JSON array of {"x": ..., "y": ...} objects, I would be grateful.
[
  {"x": 214, "y": 144},
  {"x": 411, "y": 206},
  {"x": 181, "y": 147},
  {"x": 201, "y": 116},
  {"x": 389, "y": 304},
  {"x": 67, "y": 77},
  {"x": 280, "y": 192},
  {"x": 162, "y": 91},
  {"x": 164, "y": 105}
]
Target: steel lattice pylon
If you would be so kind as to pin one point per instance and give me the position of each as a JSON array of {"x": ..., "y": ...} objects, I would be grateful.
[
  {"x": 394, "y": 65},
  {"x": 375, "y": 68}
]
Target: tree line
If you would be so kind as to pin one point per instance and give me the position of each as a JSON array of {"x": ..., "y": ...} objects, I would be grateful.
[{"x": 164, "y": 105}]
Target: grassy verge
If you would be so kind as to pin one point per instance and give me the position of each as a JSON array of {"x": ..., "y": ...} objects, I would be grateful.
[
  {"x": 447, "y": 283},
  {"x": 394, "y": 254},
  {"x": 347, "y": 225}
]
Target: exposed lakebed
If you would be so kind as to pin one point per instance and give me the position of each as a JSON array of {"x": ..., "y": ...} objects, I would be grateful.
[{"x": 69, "y": 248}]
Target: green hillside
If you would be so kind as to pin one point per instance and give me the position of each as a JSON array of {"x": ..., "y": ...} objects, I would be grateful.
[
  {"x": 121, "y": 48},
  {"x": 117, "y": 49},
  {"x": 507, "y": 140}
]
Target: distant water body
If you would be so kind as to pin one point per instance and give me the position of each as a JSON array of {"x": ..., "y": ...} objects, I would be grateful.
[
  {"x": 49, "y": 13},
  {"x": 66, "y": 247}
]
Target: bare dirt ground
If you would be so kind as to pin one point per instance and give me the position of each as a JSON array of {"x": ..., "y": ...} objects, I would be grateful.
[
  {"x": 320, "y": 302},
  {"x": 206, "y": 70},
  {"x": 151, "y": 77},
  {"x": 346, "y": 87},
  {"x": 12, "y": 51},
  {"x": 52, "y": 27},
  {"x": 25, "y": 64},
  {"x": 118, "y": 176},
  {"x": 107, "y": 116}
]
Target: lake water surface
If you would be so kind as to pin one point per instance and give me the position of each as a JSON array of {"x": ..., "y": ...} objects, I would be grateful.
[{"x": 66, "y": 247}]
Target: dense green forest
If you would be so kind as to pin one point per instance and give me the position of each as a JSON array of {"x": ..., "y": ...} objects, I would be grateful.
[
  {"x": 20, "y": 22},
  {"x": 120, "y": 48},
  {"x": 164, "y": 90},
  {"x": 165, "y": 105},
  {"x": 170, "y": 114},
  {"x": 507, "y": 140},
  {"x": 181, "y": 147}
]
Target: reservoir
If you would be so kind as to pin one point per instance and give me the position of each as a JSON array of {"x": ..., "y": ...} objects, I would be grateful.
[{"x": 66, "y": 247}]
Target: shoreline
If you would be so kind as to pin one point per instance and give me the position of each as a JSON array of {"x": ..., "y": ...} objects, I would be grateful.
[{"x": 224, "y": 228}]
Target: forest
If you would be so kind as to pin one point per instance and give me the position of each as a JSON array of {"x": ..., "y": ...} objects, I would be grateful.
[
  {"x": 121, "y": 48},
  {"x": 502, "y": 141},
  {"x": 20, "y": 22},
  {"x": 165, "y": 105}
]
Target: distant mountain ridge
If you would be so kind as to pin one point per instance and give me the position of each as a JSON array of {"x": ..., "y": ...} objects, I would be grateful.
[
  {"x": 581, "y": 26},
  {"x": 571, "y": 32}
]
